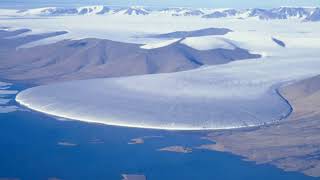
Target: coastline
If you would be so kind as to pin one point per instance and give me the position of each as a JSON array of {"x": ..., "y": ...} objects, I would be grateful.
[{"x": 291, "y": 144}]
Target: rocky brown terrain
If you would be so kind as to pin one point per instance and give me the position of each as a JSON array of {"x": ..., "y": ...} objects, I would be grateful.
[
  {"x": 292, "y": 144},
  {"x": 99, "y": 58}
]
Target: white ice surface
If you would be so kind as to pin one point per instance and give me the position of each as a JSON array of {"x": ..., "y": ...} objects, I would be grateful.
[
  {"x": 225, "y": 96},
  {"x": 126, "y": 29},
  {"x": 4, "y": 84},
  {"x": 7, "y": 92},
  {"x": 159, "y": 44},
  {"x": 207, "y": 43},
  {"x": 8, "y": 12}
]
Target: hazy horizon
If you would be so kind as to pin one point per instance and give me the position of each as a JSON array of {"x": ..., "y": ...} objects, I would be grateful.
[{"x": 165, "y": 3}]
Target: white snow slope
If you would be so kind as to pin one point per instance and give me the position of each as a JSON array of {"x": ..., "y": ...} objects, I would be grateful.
[
  {"x": 159, "y": 44},
  {"x": 207, "y": 43},
  {"x": 233, "y": 95}
]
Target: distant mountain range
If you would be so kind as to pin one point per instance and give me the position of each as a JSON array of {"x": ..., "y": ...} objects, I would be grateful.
[{"x": 303, "y": 13}]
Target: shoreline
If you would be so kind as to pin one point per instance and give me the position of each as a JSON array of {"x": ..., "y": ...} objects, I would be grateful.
[
  {"x": 291, "y": 145},
  {"x": 21, "y": 104}
]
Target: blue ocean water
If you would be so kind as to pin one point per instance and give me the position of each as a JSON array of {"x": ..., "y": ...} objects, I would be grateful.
[{"x": 29, "y": 150}]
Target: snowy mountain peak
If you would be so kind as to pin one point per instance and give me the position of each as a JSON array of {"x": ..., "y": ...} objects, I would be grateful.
[
  {"x": 298, "y": 12},
  {"x": 93, "y": 10},
  {"x": 48, "y": 11},
  {"x": 133, "y": 10},
  {"x": 57, "y": 11},
  {"x": 314, "y": 16},
  {"x": 303, "y": 13},
  {"x": 182, "y": 12}
]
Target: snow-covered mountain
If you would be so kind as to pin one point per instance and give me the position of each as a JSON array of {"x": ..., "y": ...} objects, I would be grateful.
[
  {"x": 94, "y": 10},
  {"x": 48, "y": 11},
  {"x": 58, "y": 11},
  {"x": 303, "y": 13},
  {"x": 314, "y": 16},
  {"x": 182, "y": 12},
  {"x": 86, "y": 10},
  {"x": 298, "y": 12},
  {"x": 281, "y": 13},
  {"x": 134, "y": 10},
  {"x": 222, "y": 13},
  {"x": 265, "y": 14}
]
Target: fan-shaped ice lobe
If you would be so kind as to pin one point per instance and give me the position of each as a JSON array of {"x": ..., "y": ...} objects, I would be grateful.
[
  {"x": 227, "y": 96},
  {"x": 237, "y": 94}
]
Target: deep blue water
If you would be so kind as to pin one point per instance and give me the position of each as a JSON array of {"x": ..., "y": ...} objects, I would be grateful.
[{"x": 29, "y": 151}]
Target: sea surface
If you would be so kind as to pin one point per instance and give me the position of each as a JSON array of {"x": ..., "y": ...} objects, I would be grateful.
[{"x": 35, "y": 146}]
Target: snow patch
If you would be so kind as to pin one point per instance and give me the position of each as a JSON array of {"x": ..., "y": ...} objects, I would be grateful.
[
  {"x": 208, "y": 43},
  {"x": 159, "y": 44}
]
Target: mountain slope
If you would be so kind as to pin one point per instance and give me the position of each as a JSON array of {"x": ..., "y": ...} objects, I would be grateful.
[
  {"x": 315, "y": 16},
  {"x": 132, "y": 11},
  {"x": 92, "y": 58}
]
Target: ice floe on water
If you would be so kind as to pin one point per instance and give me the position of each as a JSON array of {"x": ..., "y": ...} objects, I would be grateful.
[
  {"x": 4, "y": 101},
  {"x": 6, "y": 97},
  {"x": 8, "y": 109},
  {"x": 4, "y": 84},
  {"x": 7, "y": 92}
]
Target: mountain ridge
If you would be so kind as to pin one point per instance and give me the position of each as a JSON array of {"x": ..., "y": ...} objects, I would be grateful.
[{"x": 303, "y": 13}]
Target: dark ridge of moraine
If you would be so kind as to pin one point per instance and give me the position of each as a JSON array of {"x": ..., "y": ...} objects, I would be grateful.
[
  {"x": 279, "y": 42},
  {"x": 9, "y": 39},
  {"x": 6, "y": 33}
]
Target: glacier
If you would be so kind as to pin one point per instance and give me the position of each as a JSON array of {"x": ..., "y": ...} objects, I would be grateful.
[
  {"x": 227, "y": 96},
  {"x": 207, "y": 43},
  {"x": 237, "y": 94},
  {"x": 233, "y": 95},
  {"x": 159, "y": 44}
]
